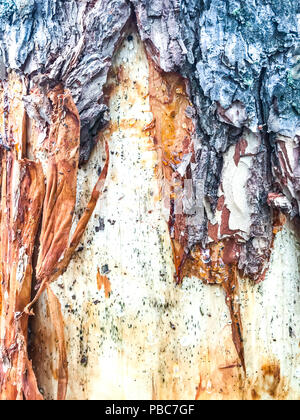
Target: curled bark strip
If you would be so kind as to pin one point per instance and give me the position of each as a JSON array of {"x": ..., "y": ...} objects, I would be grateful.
[
  {"x": 82, "y": 224},
  {"x": 62, "y": 147},
  {"x": 79, "y": 231},
  {"x": 54, "y": 305},
  {"x": 58, "y": 324}
]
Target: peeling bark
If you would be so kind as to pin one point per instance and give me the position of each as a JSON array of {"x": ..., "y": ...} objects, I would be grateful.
[
  {"x": 224, "y": 97},
  {"x": 23, "y": 199},
  {"x": 21, "y": 202}
]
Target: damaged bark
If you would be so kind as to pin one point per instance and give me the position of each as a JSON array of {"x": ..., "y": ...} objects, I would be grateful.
[
  {"x": 22, "y": 193},
  {"x": 24, "y": 199},
  {"x": 224, "y": 96}
]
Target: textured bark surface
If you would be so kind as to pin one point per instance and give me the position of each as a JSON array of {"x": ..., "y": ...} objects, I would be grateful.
[
  {"x": 22, "y": 193},
  {"x": 217, "y": 83},
  {"x": 241, "y": 77},
  {"x": 24, "y": 198}
]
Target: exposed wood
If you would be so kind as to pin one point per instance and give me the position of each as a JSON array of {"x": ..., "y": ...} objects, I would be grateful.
[{"x": 150, "y": 185}]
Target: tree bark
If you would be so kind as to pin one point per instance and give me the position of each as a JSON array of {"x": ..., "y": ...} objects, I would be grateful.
[{"x": 150, "y": 192}]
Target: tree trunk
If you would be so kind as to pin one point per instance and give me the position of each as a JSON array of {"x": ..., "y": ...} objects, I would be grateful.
[{"x": 150, "y": 192}]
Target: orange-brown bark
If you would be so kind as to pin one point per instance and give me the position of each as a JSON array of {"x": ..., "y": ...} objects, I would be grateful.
[
  {"x": 172, "y": 131},
  {"x": 58, "y": 324},
  {"x": 62, "y": 146},
  {"x": 30, "y": 192},
  {"x": 21, "y": 203},
  {"x": 103, "y": 281}
]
